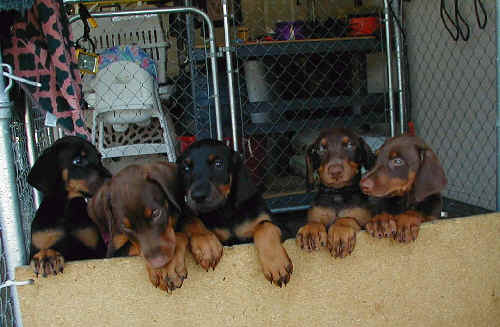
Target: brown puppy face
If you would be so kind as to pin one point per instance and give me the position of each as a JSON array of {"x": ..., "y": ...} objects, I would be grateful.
[
  {"x": 404, "y": 164},
  {"x": 337, "y": 156},
  {"x": 139, "y": 206}
]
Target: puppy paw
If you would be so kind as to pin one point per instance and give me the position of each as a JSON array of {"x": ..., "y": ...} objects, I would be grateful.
[
  {"x": 276, "y": 265},
  {"x": 207, "y": 249},
  {"x": 408, "y": 226},
  {"x": 47, "y": 262},
  {"x": 341, "y": 240},
  {"x": 311, "y": 236},
  {"x": 169, "y": 277},
  {"x": 382, "y": 225}
]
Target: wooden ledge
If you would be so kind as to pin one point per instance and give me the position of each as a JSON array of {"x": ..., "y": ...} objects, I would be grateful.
[{"x": 449, "y": 277}]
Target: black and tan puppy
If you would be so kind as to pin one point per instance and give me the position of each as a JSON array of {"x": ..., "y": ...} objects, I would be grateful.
[
  {"x": 137, "y": 211},
  {"x": 224, "y": 205},
  {"x": 408, "y": 179},
  {"x": 340, "y": 209},
  {"x": 67, "y": 173}
]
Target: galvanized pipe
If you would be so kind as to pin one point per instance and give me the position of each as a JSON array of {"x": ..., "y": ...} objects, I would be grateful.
[
  {"x": 498, "y": 103},
  {"x": 30, "y": 143},
  {"x": 399, "y": 67},
  {"x": 10, "y": 213},
  {"x": 390, "y": 90},
  {"x": 173, "y": 10},
  {"x": 229, "y": 71}
]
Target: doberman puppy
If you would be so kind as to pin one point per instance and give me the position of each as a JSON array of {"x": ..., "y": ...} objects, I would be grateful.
[
  {"x": 137, "y": 211},
  {"x": 340, "y": 207},
  {"x": 67, "y": 173},
  {"x": 408, "y": 179},
  {"x": 223, "y": 205}
]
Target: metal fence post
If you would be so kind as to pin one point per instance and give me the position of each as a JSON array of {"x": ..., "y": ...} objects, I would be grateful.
[
  {"x": 10, "y": 213},
  {"x": 390, "y": 88}
]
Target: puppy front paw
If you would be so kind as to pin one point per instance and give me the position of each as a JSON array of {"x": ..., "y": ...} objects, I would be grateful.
[
  {"x": 47, "y": 262},
  {"x": 341, "y": 240},
  {"x": 408, "y": 226},
  {"x": 169, "y": 277},
  {"x": 206, "y": 249},
  {"x": 382, "y": 225},
  {"x": 276, "y": 265},
  {"x": 312, "y": 236}
]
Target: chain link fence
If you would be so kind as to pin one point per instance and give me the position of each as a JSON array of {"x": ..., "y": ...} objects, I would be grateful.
[
  {"x": 299, "y": 66},
  {"x": 453, "y": 88}
]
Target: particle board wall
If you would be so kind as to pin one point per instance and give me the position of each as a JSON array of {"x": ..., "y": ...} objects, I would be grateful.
[{"x": 449, "y": 277}]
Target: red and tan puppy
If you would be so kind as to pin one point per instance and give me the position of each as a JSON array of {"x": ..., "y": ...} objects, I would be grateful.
[
  {"x": 137, "y": 211},
  {"x": 340, "y": 209},
  {"x": 407, "y": 178}
]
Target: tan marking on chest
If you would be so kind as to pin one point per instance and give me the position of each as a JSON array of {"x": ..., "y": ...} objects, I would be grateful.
[
  {"x": 222, "y": 234},
  {"x": 322, "y": 215},
  {"x": 361, "y": 215},
  {"x": 45, "y": 239},
  {"x": 88, "y": 236},
  {"x": 247, "y": 229}
]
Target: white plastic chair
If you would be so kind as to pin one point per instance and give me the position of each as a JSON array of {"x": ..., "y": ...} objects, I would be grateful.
[
  {"x": 119, "y": 99},
  {"x": 127, "y": 94}
]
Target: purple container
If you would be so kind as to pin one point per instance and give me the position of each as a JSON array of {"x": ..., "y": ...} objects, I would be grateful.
[{"x": 290, "y": 30}]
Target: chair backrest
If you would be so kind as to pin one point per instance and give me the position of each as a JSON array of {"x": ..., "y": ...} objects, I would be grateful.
[{"x": 145, "y": 31}]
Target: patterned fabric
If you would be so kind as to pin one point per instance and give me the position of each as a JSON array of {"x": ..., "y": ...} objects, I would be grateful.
[
  {"x": 40, "y": 50},
  {"x": 129, "y": 53}
]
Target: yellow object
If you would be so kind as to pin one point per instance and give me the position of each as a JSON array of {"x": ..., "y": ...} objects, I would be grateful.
[{"x": 88, "y": 62}]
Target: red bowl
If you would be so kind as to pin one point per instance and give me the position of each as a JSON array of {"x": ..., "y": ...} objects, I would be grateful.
[{"x": 363, "y": 26}]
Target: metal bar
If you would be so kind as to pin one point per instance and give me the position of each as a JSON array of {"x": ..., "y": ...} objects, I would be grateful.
[
  {"x": 172, "y": 10},
  {"x": 390, "y": 89},
  {"x": 498, "y": 104},
  {"x": 399, "y": 66},
  {"x": 30, "y": 142},
  {"x": 10, "y": 213},
  {"x": 229, "y": 68}
]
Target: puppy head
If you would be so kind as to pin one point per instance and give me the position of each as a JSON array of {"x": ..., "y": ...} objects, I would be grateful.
[
  {"x": 213, "y": 174},
  {"x": 337, "y": 156},
  {"x": 139, "y": 205},
  {"x": 404, "y": 164},
  {"x": 70, "y": 165}
]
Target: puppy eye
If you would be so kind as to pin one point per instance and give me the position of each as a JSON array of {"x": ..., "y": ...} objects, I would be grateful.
[
  {"x": 349, "y": 145},
  {"x": 77, "y": 161},
  {"x": 156, "y": 214},
  {"x": 219, "y": 164},
  {"x": 398, "y": 162},
  {"x": 322, "y": 149}
]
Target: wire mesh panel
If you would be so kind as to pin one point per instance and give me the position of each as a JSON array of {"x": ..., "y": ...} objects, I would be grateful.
[
  {"x": 149, "y": 95},
  {"x": 453, "y": 93},
  {"x": 303, "y": 66}
]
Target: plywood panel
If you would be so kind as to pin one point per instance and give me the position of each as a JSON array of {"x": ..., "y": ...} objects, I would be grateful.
[{"x": 449, "y": 277}]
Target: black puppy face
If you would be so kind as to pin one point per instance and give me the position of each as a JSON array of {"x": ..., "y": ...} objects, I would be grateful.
[
  {"x": 70, "y": 165},
  {"x": 337, "y": 156},
  {"x": 206, "y": 168}
]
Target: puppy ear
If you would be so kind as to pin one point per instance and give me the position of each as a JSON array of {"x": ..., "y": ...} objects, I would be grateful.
[
  {"x": 100, "y": 212},
  {"x": 311, "y": 166},
  {"x": 165, "y": 174},
  {"x": 368, "y": 158},
  {"x": 430, "y": 177},
  {"x": 243, "y": 187},
  {"x": 45, "y": 175}
]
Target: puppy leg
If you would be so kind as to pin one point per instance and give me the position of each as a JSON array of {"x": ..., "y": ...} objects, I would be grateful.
[
  {"x": 408, "y": 226},
  {"x": 205, "y": 246},
  {"x": 172, "y": 275},
  {"x": 382, "y": 225},
  {"x": 276, "y": 264},
  {"x": 47, "y": 244},
  {"x": 313, "y": 236},
  {"x": 342, "y": 237}
]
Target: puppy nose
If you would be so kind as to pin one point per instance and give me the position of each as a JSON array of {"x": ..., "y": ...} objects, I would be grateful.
[
  {"x": 200, "y": 192},
  {"x": 366, "y": 184},
  {"x": 335, "y": 170}
]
